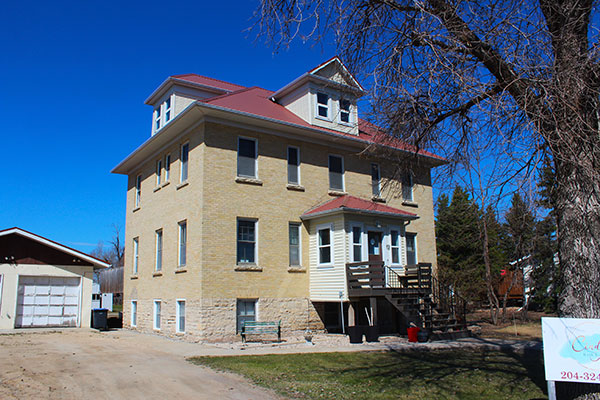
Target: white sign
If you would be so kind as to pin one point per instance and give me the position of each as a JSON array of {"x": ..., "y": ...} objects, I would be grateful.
[{"x": 571, "y": 349}]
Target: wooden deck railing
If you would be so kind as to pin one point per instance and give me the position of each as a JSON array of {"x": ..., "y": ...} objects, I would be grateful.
[{"x": 370, "y": 278}]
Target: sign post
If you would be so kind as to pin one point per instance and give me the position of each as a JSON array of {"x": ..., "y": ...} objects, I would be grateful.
[{"x": 571, "y": 351}]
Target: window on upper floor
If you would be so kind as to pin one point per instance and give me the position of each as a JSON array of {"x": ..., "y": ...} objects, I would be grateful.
[
  {"x": 293, "y": 165},
  {"x": 323, "y": 105},
  {"x": 167, "y": 167},
  {"x": 324, "y": 244},
  {"x": 167, "y": 110},
  {"x": 345, "y": 111},
  {"x": 246, "y": 241},
  {"x": 138, "y": 190},
  {"x": 182, "y": 244},
  {"x": 407, "y": 187},
  {"x": 294, "y": 237},
  {"x": 375, "y": 180},
  {"x": 411, "y": 248},
  {"x": 246, "y": 161},
  {"x": 162, "y": 114},
  {"x": 185, "y": 152},
  {"x": 157, "y": 119},
  {"x": 356, "y": 244},
  {"x": 136, "y": 255},
  {"x": 336, "y": 173},
  {"x": 159, "y": 250},
  {"x": 158, "y": 172}
]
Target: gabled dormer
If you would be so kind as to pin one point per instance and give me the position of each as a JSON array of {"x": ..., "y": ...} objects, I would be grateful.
[
  {"x": 325, "y": 96},
  {"x": 179, "y": 91}
]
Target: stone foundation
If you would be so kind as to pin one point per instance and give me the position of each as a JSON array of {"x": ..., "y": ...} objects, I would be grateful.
[{"x": 214, "y": 320}]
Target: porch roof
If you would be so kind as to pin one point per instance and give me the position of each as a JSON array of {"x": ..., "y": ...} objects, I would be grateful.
[{"x": 355, "y": 205}]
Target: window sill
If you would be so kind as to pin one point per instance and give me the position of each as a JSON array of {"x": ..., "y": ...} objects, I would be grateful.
[
  {"x": 156, "y": 189},
  {"x": 179, "y": 333},
  {"x": 180, "y": 270},
  {"x": 297, "y": 188},
  {"x": 248, "y": 267},
  {"x": 409, "y": 203},
  {"x": 323, "y": 118},
  {"x": 332, "y": 192},
  {"x": 182, "y": 185},
  {"x": 166, "y": 183},
  {"x": 136, "y": 209},
  {"x": 159, "y": 273},
  {"x": 133, "y": 277},
  {"x": 249, "y": 181},
  {"x": 378, "y": 199},
  {"x": 296, "y": 269}
]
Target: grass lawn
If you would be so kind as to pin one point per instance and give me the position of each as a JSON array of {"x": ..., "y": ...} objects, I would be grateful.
[{"x": 447, "y": 374}]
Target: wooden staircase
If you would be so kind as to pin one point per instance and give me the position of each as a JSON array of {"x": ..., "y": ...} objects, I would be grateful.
[{"x": 416, "y": 294}]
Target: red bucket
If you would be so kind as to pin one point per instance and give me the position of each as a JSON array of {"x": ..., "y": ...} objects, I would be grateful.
[{"x": 412, "y": 334}]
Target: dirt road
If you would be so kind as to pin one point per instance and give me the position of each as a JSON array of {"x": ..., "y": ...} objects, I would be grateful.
[{"x": 84, "y": 364}]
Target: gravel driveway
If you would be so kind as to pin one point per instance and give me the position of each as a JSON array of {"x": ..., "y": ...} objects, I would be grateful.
[{"x": 85, "y": 364}]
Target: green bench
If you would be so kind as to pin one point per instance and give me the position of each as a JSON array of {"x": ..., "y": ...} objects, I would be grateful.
[{"x": 261, "y": 328}]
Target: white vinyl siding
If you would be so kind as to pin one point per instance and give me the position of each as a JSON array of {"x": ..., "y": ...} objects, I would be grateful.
[{"x": 326, "y": 283}]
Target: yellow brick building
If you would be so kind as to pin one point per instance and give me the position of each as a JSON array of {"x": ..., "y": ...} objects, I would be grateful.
[{"x": 246, "y": 204}]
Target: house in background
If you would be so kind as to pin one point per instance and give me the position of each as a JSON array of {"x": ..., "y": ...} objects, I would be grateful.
[
  {"x": 43, "y": 283},
  {"x": 247, "y": 204}
]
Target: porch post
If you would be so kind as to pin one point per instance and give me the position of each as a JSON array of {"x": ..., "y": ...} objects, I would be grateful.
[
  {"x": 373, "y": 301},
  {"x": 351, "y": 314}
]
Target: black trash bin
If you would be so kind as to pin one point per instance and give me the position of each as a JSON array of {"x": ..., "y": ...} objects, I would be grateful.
[
  {"x": 100, "y": 319},
  {"x": 355, "y": 333}
]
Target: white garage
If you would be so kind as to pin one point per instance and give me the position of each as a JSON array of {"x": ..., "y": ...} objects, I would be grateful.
[{"x": 43, "y": 283}]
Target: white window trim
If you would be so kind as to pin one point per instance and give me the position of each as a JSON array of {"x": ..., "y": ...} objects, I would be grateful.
[
  {"x": 138, "y": 190},
  {"x": 187, "y": 162},
  {"x": 299, "y": 224},
  {"x": 255, "y": 220},
  {"x": 350, "y": 113},
  {"x": 401, "y": 253},
  {"x": 343, "y": 171},
  {"x": 158, "y": 172},
  {"x": 178, "y": 315},
  {"x": 168, "y": 167},
  {"x": 363, "y": 242},
  {"x": 133, "y": 321},
  {"x": 136, "y": 254},
  {"x": 329, "y": 106},
  {"x": 158, "y": 234},
  {"x": 180, "y": 224},
  {"x": 156, "y": 302},
  {"x": 298, "y": 166},
  {"x": 167, "y": 109},
  {"x": 157, "y": 121},
  {"x": 414, "y": 234},
  {"x": 255, "y": 140},
  {"x": 329, "y": 226}
]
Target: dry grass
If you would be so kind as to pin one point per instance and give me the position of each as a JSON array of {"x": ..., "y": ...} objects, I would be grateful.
[{"x": 514, "y": 326}]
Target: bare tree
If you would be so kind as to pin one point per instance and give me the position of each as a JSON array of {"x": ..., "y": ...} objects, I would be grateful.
[
  {"x": 115, "y": 251},
  {"x": 523, "y": 76}
]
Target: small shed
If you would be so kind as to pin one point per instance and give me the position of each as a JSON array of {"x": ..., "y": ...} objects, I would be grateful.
[{"x": 43, "y": 283}]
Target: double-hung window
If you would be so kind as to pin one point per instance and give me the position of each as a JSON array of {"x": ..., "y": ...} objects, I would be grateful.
[
  {"x": 395, "y": 246},
  {"x": 158, "y": 172},
  {"x": 246, "y": 241},
  {"x": 324, "y": 238},
  {"x": 411, "y": 248},
  {"x": 246, "y": 162},
  {"x": 293, "y": 165},
  {"x": 138, "y": 190},
  {"x": 407, "y": 187},
  {"x": 159, "y": 249},
  {"x": 345, "y": 111},
  {"x": 294, "y": 237},
  {"x": 136, "y": 255},
  {"x": 336, "y": 173},
  {"x": 322, "y": 105},
  {"x": 156, "y": 318},
  {"x": 375, "y": 180},
  {"x": 185, "y": 153},
  {"x": 134, "y": 313},
  {"x": 167, "y": 167},
  {"x": 180, "y": 315},
  {"x": 182, "y": 243},
  {"x": 157, "y": 118},
  {"x": 356, "y": 244},
  {"x": 167, "y": 110}
]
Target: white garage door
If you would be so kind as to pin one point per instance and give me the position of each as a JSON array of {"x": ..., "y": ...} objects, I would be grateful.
[{"x": 47, "y": 301}]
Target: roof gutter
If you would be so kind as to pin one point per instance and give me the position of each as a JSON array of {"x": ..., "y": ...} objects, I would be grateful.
[{"x": 348, "y": 210}]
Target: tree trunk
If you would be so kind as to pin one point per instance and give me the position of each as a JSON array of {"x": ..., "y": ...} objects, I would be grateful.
[{"x": 492, "y": 298}]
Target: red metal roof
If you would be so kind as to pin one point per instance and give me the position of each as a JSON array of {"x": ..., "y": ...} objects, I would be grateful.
[
  {"x": 349, "y": 203},
  {"x": 204, "y": 80}
]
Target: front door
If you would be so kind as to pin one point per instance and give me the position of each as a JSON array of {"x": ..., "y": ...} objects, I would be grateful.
[{"x": 375, "y": 246}]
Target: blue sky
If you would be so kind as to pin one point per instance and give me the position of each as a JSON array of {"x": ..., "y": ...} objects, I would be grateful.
[{"x": 74, "y": 77}]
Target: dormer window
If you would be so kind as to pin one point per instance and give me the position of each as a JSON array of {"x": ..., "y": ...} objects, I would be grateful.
[
  {"x": 344, "y": 111},
  {"x": 162, "y": 114},
  {"x": 167, "y": 110},
  {"x": 157, "y": 119},
  {"x": 323, "y": 105}
]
